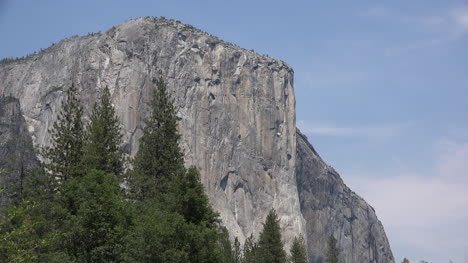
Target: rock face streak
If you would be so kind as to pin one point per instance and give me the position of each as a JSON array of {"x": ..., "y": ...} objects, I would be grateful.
[
  {"x": 17, "y": 155},
  {"x": 237, "y": 111}
]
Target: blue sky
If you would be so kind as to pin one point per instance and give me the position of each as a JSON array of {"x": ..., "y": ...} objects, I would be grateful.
[{"x": 381, "y": 88}]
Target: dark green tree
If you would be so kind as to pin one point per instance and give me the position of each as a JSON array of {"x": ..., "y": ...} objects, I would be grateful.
[
  {"x": 159, "y": 158},
  {"x": 64, "y": 156},
  {"x": 332, "y": 252},
  {"x": 298, "y": 251},
  {"x": 158, "y": 236},
  {"x": 187, "y": 197},
  {"x": 102, "y": 148},
  {"x": 98, "y": 218},
  {"x": 270, "y": 245}
]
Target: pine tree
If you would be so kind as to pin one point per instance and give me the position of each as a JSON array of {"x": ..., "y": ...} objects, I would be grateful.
[
  {"x": 298, "y": 251},
  {"x": 187, "y": 197},
  {"x": 332, "y": 252},
  {"x": 159, "y": 158},
  {"x": 102, "y": 149},
  {"x": 270, "y": 245},
  {"x": 64, "y": 156}
]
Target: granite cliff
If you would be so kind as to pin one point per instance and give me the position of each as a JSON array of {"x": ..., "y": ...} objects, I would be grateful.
[
  {"x": 17, "y": 156},
  {"x": 237, "y": 111}
]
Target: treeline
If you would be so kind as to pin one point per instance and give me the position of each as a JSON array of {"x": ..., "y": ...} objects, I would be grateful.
[{"x": 87, "y": 203}]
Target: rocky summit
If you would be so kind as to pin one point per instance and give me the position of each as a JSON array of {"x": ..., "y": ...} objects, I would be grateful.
[{"x": 237, "y": 119}]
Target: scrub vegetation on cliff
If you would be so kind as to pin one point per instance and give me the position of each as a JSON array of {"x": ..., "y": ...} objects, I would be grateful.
[{"x": 82, "y": 206}]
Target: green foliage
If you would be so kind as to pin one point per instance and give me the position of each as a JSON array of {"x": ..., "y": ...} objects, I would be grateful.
[
  {"x": 102, "y": 149},
  {"x": 158, "y": 236},
  {"x": 332, "y": 252},
  {"x": 270, "y": 245},
  {"x": 75, "y": 211},
  {"x": 298, "y": 251},
  {"x": 159, "y": 158},
  {"x": 187, "y": 197},
  {"x": 66, "y": 151},
  {"x": 98, "y": 219},
  {"x": 28, "y": 233}
]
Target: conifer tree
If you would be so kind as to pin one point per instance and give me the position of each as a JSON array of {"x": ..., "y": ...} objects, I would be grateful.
[
  {"x": 298, "y": 251},
  {"x": 270, "y": 245},
  {"x": 187, "y": 197},
  {"x": 64, "y": 156},
  {"x": 102, "y": 149},
  {"x": 332, "y": 252},
  {"x": 159, "y": 158}
]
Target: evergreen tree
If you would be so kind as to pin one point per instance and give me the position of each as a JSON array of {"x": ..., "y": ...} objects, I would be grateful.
[
  {"x": 159, "y": 158},
  {"x": 102, "y": 149},
  {"x": 65, "y": 154},
  {"x": 187, "y": 197},
  {"x": 332, "y": 252},
  {"x": 98, "y": 218},
  {"x": 270, "y": 245},
  {"x": 298, "y": 251}
]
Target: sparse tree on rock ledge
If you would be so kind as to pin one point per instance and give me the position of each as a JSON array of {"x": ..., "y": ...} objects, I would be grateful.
[{"x": 332, "y": 252}]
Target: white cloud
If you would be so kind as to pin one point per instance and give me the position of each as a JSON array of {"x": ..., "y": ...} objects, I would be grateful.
[
  {"x": 327, "y": 129},
  {"x": 460, "y": 17},
  {"x": 434, "y": 30},
  {"x": 426, "y": 211},
  {"x": 375, "y": 12}
]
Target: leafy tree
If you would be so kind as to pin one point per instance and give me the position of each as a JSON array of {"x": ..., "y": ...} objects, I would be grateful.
[
  {"x": 65, "y": 154},
  {"x": 405, "y": 260},
  {"x": 19, "y": 240},
  {"x": 102, "y": 149},
  {"x": 29, "y": 232},
  {"x": 159, "y": 158},
  {"x": 98, "y": 218},
  {"x": 298, "y": 251},
  {"x": 270, "y": 245},
  {"x": 158, "y": 236},
  {"x": 332, "y": 252}
]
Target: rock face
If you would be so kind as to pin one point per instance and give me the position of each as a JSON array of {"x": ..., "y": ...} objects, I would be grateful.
[
  {"x": 237, "y": 111},
  {"x": 331, "y": 208},
  {"x": 16, "y": 150}
]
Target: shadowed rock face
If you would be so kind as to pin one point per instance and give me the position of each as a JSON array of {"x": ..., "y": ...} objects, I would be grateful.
[
  {"x": 331, "y": 208},
  {"x": 16, "y": 151},
  {"x": 237, "y": 111}
]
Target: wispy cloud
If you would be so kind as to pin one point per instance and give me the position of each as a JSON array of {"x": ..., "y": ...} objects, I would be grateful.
[
  {"x": 437, "y": 29},
  {"x": 327, "y": 129},
  {"x": 423, "y": 210}
]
